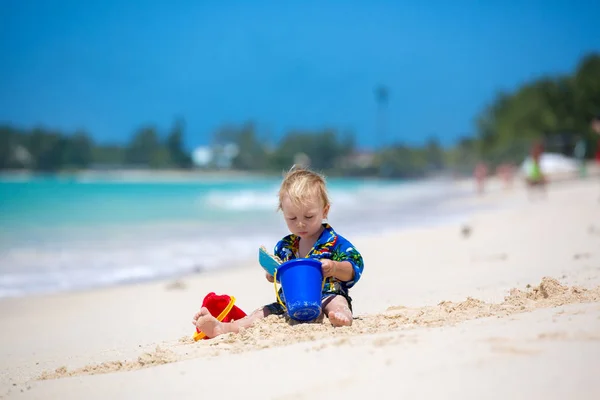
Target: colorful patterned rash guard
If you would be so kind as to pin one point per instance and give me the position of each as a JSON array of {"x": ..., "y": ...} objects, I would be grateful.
[{"x": 329, "y": 245}]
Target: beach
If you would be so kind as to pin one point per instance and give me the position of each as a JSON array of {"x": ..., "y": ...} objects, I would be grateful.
[{"x": 501, "y": 302}]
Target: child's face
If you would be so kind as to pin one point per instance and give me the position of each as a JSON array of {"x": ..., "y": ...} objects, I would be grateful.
[{"x": 304, "y": 220}]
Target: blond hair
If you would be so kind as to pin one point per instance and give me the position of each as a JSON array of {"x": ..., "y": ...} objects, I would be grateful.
[{"x": 302, "y": 185}]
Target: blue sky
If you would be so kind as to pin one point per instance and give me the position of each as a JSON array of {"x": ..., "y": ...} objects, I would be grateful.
[{"x": 112, "y": 66}]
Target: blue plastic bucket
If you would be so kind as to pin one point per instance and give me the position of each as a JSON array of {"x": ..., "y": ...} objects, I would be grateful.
[{"x": 302, "y": 281}]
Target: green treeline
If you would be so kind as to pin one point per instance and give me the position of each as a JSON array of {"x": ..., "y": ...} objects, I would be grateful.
[{"x": 557, "y": 109}]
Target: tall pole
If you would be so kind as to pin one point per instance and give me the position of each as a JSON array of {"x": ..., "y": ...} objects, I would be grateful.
[{"x": 381, "y": 97}]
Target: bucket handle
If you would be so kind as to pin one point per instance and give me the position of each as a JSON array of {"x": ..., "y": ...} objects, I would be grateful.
[
  {"x": 277, "y": 291},
  {"x": 199, "y": 335}
]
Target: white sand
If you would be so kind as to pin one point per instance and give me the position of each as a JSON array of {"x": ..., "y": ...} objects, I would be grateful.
[{"x": 433, "y": 321}]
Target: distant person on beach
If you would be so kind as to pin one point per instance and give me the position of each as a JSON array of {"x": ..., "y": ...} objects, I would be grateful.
[
  {"x": 579, "y": 153},
  {"x": 535, "y": 177},
  {"x": 304, "y": 203},
  {"x": 480, "y": 174},
  {"x": 596, "y": 128}
]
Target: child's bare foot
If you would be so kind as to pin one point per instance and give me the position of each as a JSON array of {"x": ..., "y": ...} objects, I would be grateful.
[
  {"x": 208, "y": 324},
  {"x": 337, "y": 310},
  {"x": 340, "y": 318}
]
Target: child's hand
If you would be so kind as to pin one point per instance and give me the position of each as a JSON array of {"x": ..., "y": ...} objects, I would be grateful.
[
  {"x": 328, "y": 267},
  {"x": 269, "y": 277}
]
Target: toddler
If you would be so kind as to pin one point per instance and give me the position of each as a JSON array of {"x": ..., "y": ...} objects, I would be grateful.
[{"x": 304, "y": 203}]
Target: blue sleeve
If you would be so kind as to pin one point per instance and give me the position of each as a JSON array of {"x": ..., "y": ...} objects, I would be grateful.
[
  {"x": 283, "y": 249},
  {"x": 278, "y": 250},
  {"x": 347, "y": 252}
]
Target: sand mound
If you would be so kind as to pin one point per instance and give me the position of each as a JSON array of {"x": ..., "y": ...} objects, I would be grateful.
[
  {"x": 550, "y": 293},
  {"x": 158, "y": 357},
  {"x": 277, "y": 331}
]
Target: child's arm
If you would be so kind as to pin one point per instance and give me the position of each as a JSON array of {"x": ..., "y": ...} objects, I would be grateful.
[
  {"x": 341, "y": 270},
  {"x": 349, "y": 262}
]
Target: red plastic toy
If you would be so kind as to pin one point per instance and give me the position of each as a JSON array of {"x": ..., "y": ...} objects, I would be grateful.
[{"x": 221, "y": 307}]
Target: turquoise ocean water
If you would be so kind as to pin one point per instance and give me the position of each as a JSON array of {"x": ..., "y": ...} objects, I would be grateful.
[{"x": 61, "y": 233}]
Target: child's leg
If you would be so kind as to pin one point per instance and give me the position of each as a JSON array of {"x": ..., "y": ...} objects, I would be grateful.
[
  {"x": 337, "y": 310},
  {"x": 205, "y": 322}
]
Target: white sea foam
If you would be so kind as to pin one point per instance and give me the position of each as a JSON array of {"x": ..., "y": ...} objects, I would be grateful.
[
  {"x": 67, "y": 266},
  {"x": 243, "y": 200},
  {"x": 345, "y": 198}
]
